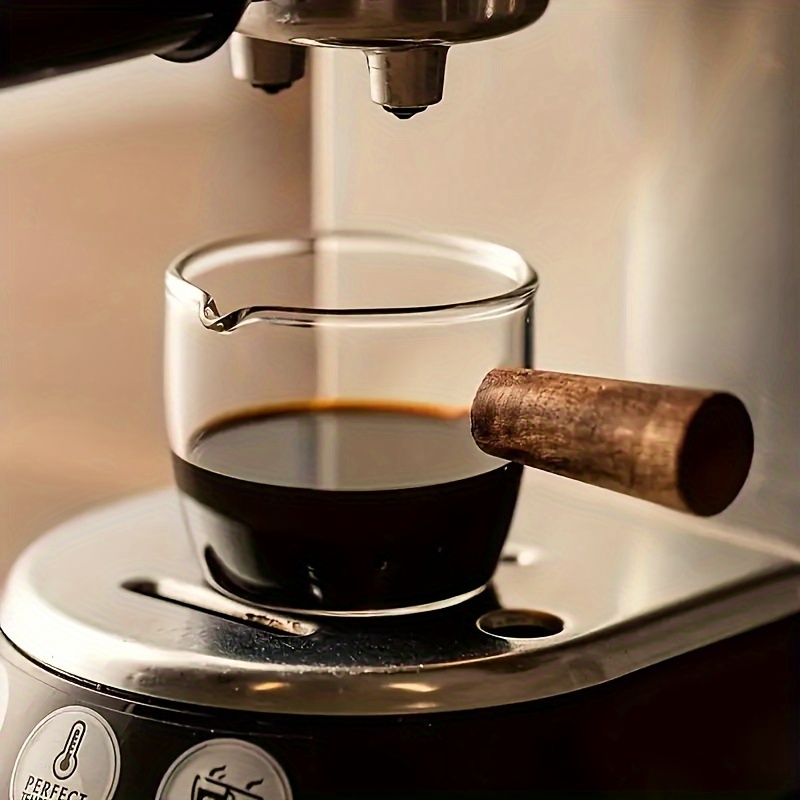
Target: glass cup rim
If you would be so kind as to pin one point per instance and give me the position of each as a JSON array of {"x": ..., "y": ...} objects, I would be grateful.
[{"x": 480, "y": 252}]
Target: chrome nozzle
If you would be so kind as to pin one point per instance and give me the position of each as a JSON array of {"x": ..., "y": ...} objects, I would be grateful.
[
  {"x": 406, "y": 82},
  {"x": 271, "y": 66}
]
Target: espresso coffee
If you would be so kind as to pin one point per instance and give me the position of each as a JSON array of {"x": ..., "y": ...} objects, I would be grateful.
[{"x": 346, "y": 506}]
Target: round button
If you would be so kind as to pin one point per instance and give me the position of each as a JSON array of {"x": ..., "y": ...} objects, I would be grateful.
[
  {"x": 226, "y": 769},
  {"x": 72, "y": 754}
]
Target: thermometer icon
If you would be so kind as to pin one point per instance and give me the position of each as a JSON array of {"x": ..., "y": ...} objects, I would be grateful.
[{"x": 67, "y": 760}]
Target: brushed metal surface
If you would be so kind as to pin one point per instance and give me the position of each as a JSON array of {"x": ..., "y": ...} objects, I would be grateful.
[
  {"x": 387, "y": 23},
  {"x": 631, "y": 590}
]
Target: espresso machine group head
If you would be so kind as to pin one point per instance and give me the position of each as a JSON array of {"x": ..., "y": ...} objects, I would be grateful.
[{"x": 405, "y": 41}]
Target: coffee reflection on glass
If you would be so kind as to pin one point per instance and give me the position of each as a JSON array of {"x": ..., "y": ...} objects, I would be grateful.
[{"x": 318, "y": 394}]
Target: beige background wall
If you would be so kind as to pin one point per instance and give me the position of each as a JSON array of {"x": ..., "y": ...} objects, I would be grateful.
[{"x": 105, "y": 177}]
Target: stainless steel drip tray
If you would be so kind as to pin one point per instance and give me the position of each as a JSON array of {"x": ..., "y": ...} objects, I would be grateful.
[{"x": 590, "y": 589}]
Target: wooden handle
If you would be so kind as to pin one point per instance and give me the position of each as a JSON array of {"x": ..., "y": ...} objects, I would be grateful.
[{"x": 686, "y": 449}]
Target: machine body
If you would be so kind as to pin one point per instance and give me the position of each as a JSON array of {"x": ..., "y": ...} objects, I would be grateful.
[
  {"x": 43, "y": 39},
  {"x": 701, "y": 734}
]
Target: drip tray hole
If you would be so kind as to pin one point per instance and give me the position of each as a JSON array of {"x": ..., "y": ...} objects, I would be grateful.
[{"x": 519, "y": 624}]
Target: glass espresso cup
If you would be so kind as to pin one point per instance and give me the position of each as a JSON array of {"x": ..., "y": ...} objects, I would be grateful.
[{"x": 318, "y": 394}]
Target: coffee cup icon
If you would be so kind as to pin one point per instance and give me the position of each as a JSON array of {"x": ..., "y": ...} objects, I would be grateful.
[{"x": 214, "y": 787}]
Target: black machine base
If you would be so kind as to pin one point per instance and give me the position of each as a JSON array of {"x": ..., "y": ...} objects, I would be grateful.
[{"x": 723, "y": 718}]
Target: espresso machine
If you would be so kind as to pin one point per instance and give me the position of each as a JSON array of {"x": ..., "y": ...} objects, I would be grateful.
[{"x": 620, "y": 647}]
